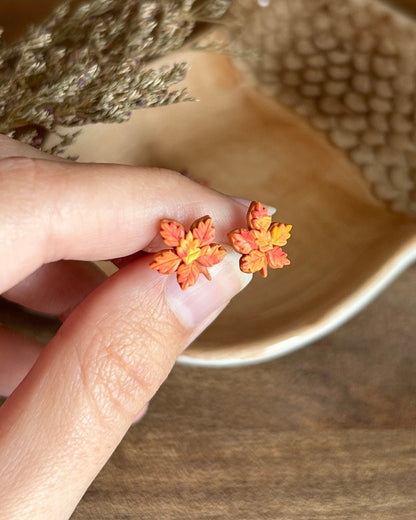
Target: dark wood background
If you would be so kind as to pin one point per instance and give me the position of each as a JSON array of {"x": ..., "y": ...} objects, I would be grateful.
[{"x": 326, "y": 433}]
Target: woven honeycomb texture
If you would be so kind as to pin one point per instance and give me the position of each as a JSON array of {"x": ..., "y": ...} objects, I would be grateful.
[{"x": 349, "y": 68}]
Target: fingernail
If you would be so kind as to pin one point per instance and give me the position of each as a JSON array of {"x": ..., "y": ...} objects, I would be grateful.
[
  {"x": 141, "y": 414},
  {"x": 271, "y": 210},
  {"x": 199, "y": 305}
]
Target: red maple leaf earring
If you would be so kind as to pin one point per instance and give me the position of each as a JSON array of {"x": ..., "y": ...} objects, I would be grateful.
[
  {"x": 192, "y": 252},
  {"x": 260, "y": 244}
]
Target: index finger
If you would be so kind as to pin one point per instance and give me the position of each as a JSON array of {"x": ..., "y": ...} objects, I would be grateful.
[{"x": 62, "y": 210}]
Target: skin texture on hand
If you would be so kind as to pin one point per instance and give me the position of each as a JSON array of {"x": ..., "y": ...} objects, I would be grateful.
[{"x": 120, "y": 336}]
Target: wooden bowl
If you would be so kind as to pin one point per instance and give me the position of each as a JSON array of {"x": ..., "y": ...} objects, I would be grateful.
[{"x": 326, "y": 133}]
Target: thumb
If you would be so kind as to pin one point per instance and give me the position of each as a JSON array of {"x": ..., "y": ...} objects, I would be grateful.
[{"x": 108, "y": 359}]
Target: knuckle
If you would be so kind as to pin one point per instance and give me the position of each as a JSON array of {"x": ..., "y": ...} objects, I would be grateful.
[
  {"x": 19, "y": 164},
  {"x": 19, "y": 176},
  {"x": 22, "y": 188},
  {"x": 29, "y": 198},
  {"x": 17, "y": 193},
  {"x": 169, "y": 180}
]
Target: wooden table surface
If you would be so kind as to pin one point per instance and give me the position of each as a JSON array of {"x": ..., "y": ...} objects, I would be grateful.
[{"x": 325, "y": 433}]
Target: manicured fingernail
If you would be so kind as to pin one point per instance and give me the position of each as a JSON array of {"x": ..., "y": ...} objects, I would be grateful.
[
  {"x": 271, "y": 210},
  {"x": 141, "y": 414},
  {"x": 198, "y": 305}
]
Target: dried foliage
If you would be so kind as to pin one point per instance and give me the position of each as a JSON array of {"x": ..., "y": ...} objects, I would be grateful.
[{"x": 92, "y": 63}]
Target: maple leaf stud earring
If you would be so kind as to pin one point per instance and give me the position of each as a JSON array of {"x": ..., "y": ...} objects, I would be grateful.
[
  {"x": 192, "y": 252},
  {"x": 260, "y": 244}
]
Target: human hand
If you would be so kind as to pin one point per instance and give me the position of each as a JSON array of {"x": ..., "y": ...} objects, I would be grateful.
[{"x": 120, "y": 336}]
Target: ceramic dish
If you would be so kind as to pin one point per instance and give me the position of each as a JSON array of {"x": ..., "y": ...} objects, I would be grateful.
[{"x": 326, "y": 133}]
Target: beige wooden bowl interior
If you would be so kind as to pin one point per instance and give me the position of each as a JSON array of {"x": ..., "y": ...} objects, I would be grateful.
[
  {"x": 327, "y": 139},
  {"x": 346, "y": 242}
]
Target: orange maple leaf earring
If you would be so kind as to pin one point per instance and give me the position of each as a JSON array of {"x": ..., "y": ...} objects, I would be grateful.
[
  {"x": 261, "y": 243},
  {"x": 193, "y": 251}
]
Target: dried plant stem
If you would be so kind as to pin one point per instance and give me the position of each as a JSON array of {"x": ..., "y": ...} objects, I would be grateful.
[{"x": 93, "y": 63}]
